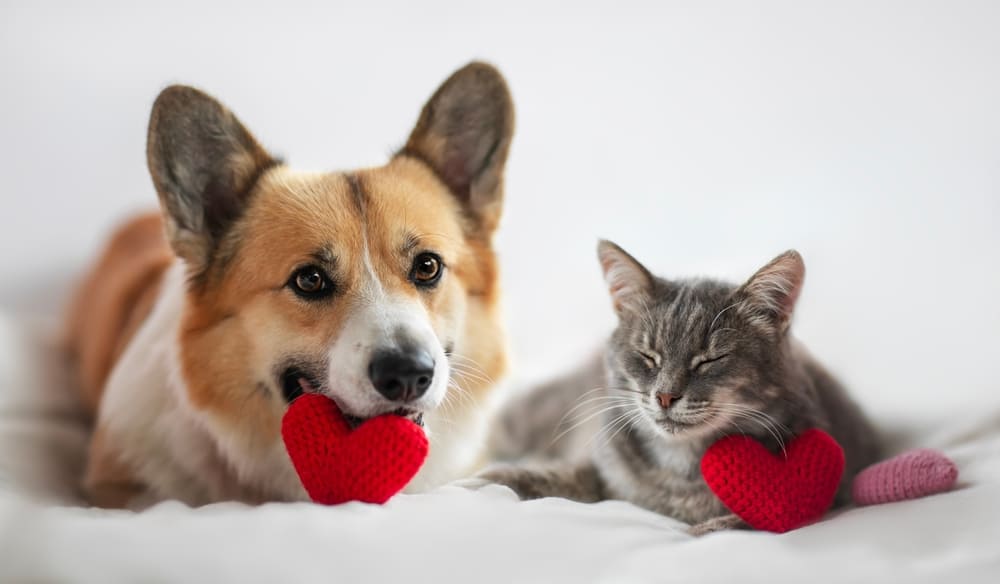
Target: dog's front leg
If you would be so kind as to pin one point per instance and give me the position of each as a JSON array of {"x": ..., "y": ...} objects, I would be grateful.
[{"x": 108, "y": 482}]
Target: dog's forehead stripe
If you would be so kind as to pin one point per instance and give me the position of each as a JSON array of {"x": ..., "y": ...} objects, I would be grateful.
[
  {"x": 358, "y": 194},
  {"x": 371, "y": 287}
]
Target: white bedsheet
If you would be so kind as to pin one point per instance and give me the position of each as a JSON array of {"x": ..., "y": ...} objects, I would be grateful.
[{"x": 453, "y": 534}]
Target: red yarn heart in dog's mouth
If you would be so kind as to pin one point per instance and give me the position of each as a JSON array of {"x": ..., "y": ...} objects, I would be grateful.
[
  {"x": 369, "y": 463},
  {"x": 775, "y": 492}
]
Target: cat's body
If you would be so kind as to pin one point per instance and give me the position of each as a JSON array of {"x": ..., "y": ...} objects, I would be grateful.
[{"x": 690, "y": 362}]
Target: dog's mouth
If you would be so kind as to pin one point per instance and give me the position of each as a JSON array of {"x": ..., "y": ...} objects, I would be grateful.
[
  {"x": 410, "y": 414},
  {"x": 295, "y": 382}
]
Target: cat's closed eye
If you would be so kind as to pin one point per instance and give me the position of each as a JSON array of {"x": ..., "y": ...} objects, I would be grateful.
[
  {"x": 701, "y": 364},
  {"x": 652, "y": 360}
]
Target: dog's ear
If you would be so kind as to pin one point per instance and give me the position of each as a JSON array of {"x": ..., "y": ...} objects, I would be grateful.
[
  {"x": 464, "y": 133},
  {"x": 204, "y": 164}
]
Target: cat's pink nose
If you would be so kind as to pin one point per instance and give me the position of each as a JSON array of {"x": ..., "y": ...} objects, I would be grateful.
[{"x": 666, "y": 399}]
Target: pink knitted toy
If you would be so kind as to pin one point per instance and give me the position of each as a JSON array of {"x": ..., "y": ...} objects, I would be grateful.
[{"x": 910, "y": 475}]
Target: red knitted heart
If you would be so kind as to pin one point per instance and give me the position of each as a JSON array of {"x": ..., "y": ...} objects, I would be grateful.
[
  {"x": 371, "y": 463},
  {"x": 775, "y": 492}
]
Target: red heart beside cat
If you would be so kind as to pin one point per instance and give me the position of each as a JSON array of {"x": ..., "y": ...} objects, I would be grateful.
[
  {"x": 336, "y": 464},
  {"x": 775, "y": 492}
]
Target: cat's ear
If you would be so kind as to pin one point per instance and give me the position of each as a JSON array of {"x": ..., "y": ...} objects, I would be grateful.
[
  {"x": 629, "y": 282},
  {"x": 463, "y": 134},
  {"x": 204, "y": 164},
  {"x": 772, "y": 292}
]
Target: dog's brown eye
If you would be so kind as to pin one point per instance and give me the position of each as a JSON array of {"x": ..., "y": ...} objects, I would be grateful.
[
  {"x": 427, "y": 269},
  {"x": 311, "y": 282}
]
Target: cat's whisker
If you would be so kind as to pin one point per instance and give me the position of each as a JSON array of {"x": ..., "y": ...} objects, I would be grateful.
[
  {"x": 590, "y": 391},
  {"x": 609, "y": 425},
  {"x": 775, "y": 427},
  {"x": 636, "y": 418},
  {"x": 715, "y": 424},
  {"x": 751, "y": 415},
  {"x": 580, "y": 418},
  {"x": 601, "y": 406},
  {"x": 587, "y": 419},
  {"x": 617, "y": 426},
  {"x": 594, "y": 390},
  {"x": 583, "y": 402},
  {"x": 606, "y": 428},
  {"x": 626, "y": 390},
  {"x": 593, "y": 400},
  {"x": 757, "y": 412},
  {"x": 626, "y": 423}
]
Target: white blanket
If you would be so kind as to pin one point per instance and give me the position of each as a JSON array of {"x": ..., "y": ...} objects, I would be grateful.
[{"x": 453, "y": 534}]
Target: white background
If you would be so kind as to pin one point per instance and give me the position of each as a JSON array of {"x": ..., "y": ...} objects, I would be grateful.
[{"x": 705, "y": 137}]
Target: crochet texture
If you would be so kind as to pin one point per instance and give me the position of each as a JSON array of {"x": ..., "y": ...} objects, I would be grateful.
[
  {"x": 775, "y": 492},
  {"x": 336, "y": 464},
  {"x": 910, "y": 475}
]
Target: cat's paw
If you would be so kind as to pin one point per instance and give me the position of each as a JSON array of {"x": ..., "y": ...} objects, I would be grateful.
[
  {"x": 481, "y": 484},
  {"x": 714, "y": 524},
  {"x": 569, "y": 481},
  {"x": 524, "y": 483}
]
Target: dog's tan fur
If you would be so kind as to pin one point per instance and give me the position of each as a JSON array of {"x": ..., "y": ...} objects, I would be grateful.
[
  {"x": 114, "y": 299},
  {"x": 237, "y": 314}
]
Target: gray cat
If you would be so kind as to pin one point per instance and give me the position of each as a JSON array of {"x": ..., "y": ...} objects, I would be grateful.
[{"x": 690, "y": 362}]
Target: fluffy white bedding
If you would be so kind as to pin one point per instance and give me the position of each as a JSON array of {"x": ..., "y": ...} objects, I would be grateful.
[{"x": 453, "y": 534}]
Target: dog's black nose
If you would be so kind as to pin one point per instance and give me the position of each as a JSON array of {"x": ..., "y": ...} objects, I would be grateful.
[{"x": 401, "y": 376}]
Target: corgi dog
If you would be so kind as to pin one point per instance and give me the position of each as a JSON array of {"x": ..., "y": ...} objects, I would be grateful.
[{"x": 255, "y": 283}]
